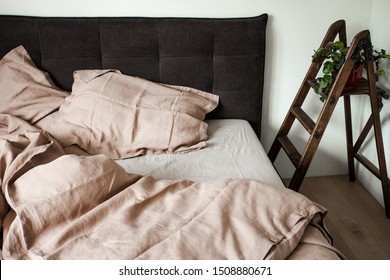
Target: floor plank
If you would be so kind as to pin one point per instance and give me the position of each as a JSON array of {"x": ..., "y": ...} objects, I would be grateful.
[{"x": 355, "y": 219}]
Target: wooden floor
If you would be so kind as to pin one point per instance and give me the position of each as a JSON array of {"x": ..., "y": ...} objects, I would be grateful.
[{"x": 355, "y": 219}]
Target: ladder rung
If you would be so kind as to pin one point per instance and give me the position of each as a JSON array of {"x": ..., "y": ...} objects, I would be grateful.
[
  {"x": 303, "y": 118},
  {"x": 290, "y": 149},
  {"x": 369, "y": 165}
]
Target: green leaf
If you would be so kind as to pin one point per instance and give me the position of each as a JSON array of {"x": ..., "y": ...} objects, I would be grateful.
[
  {"x": 328, "y": 67},
  {"x": 337, "y": 56},
  {"x": 321, "y": 52},
  {"x": 380, "y": 73},
  {"x": 328, "y": 79},
  {"x": 323, "y": 84},
  {"x": 338, "y": 64},
  {"x": 338, "y": 44}
]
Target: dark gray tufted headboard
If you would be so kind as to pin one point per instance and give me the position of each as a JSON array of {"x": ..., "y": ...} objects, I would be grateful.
[{"x": 223, "y": 56}]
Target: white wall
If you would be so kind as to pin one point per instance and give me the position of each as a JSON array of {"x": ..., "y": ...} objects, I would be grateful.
[{"x": 295, "y": 29}]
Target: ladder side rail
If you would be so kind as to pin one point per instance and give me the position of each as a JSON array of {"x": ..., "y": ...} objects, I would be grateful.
[{"x": 349, "y": 137}]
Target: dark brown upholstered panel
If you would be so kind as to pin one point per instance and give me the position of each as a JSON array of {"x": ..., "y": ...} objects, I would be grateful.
[{"x": 223, "y": 56}]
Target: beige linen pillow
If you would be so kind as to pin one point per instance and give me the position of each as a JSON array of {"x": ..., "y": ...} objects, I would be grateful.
[
  {"x": 26, "y": 91},
  {"x": 124, "y": 116}
]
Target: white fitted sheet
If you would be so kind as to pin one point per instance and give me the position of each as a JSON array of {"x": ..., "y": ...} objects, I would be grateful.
[{"x": 233, "y": 151}]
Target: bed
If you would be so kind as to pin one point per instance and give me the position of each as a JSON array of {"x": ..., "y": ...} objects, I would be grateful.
[{"x": 138, "y": 138}]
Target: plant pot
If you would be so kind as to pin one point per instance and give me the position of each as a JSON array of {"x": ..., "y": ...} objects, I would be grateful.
[{"x": 354, "y": 78}]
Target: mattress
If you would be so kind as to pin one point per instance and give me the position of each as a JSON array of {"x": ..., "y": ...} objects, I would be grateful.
[{"x": 232, "y": 151}]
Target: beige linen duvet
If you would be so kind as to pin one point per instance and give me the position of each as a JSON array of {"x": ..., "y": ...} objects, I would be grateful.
[{"x": 87, "y": 207}]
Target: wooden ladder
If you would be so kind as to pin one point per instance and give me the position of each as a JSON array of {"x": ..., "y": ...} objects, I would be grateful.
[{"x": 361, "y": 42}]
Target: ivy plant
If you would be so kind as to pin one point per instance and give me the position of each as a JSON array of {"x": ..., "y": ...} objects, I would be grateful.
[{"x": 334, "y": 54}]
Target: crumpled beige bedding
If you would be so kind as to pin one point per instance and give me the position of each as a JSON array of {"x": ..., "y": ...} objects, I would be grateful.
[{"x": 62, "y": 206}]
